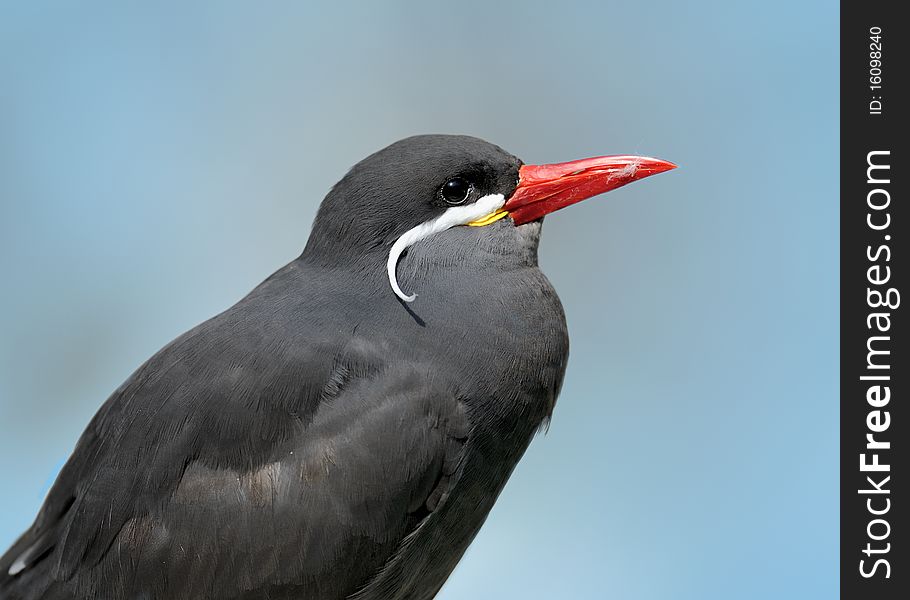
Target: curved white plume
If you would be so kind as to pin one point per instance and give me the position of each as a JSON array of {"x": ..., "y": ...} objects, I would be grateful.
[{"x": 455, "y": 215}]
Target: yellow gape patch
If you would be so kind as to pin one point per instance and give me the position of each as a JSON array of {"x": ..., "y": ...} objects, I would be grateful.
[{"x": 490, "y": 218}]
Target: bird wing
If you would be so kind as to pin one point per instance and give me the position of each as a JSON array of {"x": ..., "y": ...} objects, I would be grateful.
[{"x": 217, "y": 471}]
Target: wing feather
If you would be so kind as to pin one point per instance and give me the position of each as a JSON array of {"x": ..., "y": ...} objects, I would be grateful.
[{"x": 217, "y": 472}]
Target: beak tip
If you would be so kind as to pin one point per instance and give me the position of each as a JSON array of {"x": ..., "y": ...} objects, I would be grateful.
[{"x": 662, "y": 166}]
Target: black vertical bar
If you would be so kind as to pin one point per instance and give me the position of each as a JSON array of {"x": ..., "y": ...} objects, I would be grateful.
[{"x": 875, "y": 377}]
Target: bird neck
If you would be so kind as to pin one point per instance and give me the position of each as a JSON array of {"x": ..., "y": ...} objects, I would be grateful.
[{"x": 335, "y": 245}]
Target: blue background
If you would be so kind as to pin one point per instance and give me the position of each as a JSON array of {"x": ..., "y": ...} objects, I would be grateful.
[{"x": 157, "y": 162}]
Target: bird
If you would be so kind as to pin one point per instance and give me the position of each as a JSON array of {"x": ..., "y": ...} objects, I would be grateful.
[{"x": 342, "y": 431}]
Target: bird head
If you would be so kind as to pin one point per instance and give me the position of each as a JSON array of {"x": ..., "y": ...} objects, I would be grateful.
[{"x": 423, "y": 185}]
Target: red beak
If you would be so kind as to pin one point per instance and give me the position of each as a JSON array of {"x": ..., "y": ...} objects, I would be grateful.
[{"x": 543, "y": 189}]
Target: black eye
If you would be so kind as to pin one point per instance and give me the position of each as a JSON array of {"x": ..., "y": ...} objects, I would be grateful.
[{"x": 456, "y": 190}]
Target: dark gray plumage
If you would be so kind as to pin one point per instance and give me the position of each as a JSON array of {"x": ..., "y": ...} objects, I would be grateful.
[{"x": 321, "y": 438}]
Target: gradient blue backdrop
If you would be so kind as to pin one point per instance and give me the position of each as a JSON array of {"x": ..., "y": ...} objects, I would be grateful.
[{"x": 157, "y": 162}]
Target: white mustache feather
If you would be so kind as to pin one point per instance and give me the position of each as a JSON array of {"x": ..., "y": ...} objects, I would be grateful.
[{"x": 452, "y": 217}]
